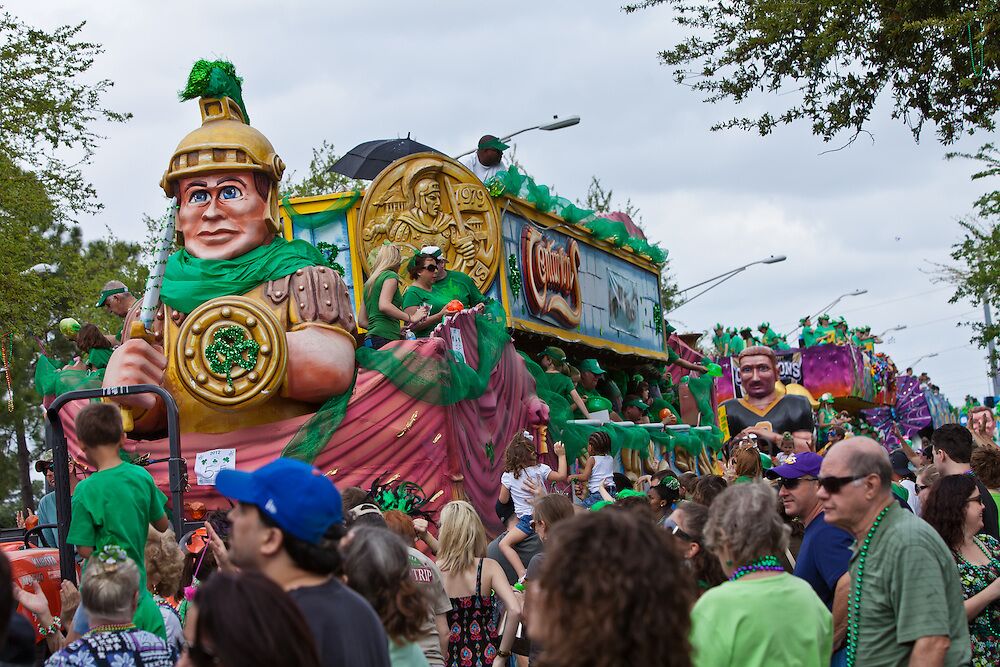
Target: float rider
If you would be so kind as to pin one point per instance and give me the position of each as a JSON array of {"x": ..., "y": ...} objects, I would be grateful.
[
  {"x": 720, "y": 341},
  {"x": 453, "y": 284},
  {"x": 116, "y": 298}
]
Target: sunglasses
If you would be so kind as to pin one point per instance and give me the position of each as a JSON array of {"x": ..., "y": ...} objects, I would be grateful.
[
  {"x": 430, "y": 267},
  {"x": 793, "y": 483},
  {"x": 674, "y": 529},
  {"x": 833, "y": 485}
]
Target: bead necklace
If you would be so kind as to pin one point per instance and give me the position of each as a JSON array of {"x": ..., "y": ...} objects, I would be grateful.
[
  {"x": 765, "y": 564},
  {"x": 113, "y": 627},
  {"x": 854, "y": 602},
  {"x": 985, "y": 614}
]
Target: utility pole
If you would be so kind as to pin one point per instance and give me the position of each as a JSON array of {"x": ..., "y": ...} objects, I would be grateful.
[{"x": 991, "y": 347}]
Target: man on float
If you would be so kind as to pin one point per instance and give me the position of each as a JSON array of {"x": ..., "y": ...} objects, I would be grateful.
[
  {"x": 488, "y": 158},
  {"x": 808, "y": 336},
  {"x": 720, "y": 341},
  {"x": 235, "y": 268},
  {"x": 824, "y": 332},
  {"x": 453, "y": 284},
  {"x": 594, "y": 398},
  {"x": 736, "y": 344},
  {"x": 762, "y": 410},
  {"x": 116, "y": 298}
]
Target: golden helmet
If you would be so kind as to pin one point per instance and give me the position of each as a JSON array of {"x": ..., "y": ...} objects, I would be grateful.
[{"x": 225, "y": 142}]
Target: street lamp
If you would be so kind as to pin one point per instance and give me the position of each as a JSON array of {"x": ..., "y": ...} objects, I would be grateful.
[
  {"x": 919, "y": 359},
  {"x": 895, "y": 328},
  {"x": 556, "y": 124},
  {"x": 857, "y": 292},
  {"x": 723, "y": 277}
]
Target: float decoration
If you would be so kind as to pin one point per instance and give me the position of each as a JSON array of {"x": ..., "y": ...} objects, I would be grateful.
[
  {"x": 514, "y": 276},
  {"x": 909, "y": 414}
]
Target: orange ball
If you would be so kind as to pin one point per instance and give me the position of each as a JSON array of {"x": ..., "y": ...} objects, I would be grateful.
[
  {"x": 664, "y": 413},
  {"x": 31, "y": 522},
  {"x": 454, "y": 306}
]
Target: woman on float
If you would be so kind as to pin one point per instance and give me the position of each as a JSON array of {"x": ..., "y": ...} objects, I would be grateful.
[
  {"x": 471, "y": 582},
  {"x": 781, "y": 621},
  {"x": 381, "y": 305},
  {"x": 419, "y": 295},
  {"x": 954, "y": 509}
]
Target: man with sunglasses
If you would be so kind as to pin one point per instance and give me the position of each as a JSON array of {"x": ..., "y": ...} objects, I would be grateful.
[
  {"x": 761, "y": 410},
  {"x": 905, "y": 597},
  {"x": 825, "y": 553},
  {"x": 953, "y": 447}
]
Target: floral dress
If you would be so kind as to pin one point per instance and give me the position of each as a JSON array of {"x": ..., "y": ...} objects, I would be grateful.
[
  {"x": 127, "y": 647},
  {"x": 472, "y": 640},
  {"x": 983, "y": 630}
]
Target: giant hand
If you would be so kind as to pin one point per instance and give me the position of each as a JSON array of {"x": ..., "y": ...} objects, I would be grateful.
[
  {"x": 136, "y": 362},
  {"x": 320, "y": 364}
]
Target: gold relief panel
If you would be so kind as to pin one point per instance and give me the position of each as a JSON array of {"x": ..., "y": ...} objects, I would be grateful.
[{"x": 430, "y": 199}]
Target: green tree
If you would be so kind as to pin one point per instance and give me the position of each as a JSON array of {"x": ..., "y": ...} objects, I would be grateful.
[
  {"x": 831, "y": 61},
  {"x": 48, "y": 110},
  {"x": 318, "y": 179}
]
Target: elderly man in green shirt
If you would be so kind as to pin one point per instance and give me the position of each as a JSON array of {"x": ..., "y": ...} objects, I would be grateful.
[{"x": 905, "y": 603}]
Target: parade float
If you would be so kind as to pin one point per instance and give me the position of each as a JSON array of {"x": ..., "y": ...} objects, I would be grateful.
[{"x": 248, "y": 323}]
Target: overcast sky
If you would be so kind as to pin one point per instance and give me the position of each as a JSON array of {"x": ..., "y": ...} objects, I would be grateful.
[{"x": 873, "y": 216}]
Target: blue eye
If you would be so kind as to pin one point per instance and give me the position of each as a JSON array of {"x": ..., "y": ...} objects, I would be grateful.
[
  {"x": 230, "y": 192},
  {"x": 198, "y": 197}
]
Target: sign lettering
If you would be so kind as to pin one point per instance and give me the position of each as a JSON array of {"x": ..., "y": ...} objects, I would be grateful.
[{"x": 551, "y": 277}]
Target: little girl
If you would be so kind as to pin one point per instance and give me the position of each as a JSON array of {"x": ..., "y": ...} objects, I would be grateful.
[
  {"x": 521, "y": 467},
  {"x": 600, "y": 467}
]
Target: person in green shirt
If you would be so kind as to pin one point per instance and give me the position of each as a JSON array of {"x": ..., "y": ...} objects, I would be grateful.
[
  {"x": 381, "y": 302},
  {"x": 420, "y": 295},
  {"x": 841, "y": 336},
  {"x": 115, "y": 505},
  {"x": 553, "y": 362},
  {"x": 907, "y": 603},
  {"x": 95, "y": 349},
  {"x": 720, "y": 341},
  {"x": 808, "y": 335},
  {"x": 453, "y": 284},
  {"x": 824, "y": 333},
  {"x": 736, "y": 344},
  {"x": 762, "y": 616}
]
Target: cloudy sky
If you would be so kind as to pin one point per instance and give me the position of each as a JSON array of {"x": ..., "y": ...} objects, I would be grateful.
[{"x": 873, "y": 216}]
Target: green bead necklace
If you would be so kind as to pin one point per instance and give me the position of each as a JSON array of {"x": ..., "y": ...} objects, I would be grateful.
[
  {"x": 854, "y": 601},
  {"x": 985, "y": 614}
]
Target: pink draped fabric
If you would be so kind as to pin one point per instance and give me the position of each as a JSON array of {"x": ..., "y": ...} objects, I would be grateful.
[{"x": 385, "y": 430}]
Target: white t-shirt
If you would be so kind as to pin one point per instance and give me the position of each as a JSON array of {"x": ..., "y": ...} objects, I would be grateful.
[
  {"x": 604, "y": 471},
  {"x": 522, "y": 497},
  {"x": 481, "y": 171}
]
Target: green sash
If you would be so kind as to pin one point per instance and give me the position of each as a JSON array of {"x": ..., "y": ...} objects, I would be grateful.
[{"x": 189, "y": 282}]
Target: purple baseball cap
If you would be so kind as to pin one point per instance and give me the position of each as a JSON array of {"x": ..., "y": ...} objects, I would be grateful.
[
  {"x": 295, "y": 495},
  {"x": 799, "y": 464}
]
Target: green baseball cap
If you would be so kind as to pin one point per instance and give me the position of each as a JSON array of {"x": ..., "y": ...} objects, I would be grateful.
[
  {"x": 591, "y": 366},
  {"x": 764, "y": 325},
  {"x": 718, "y": 326},
  {"x": 554, "y": 353},
  {"x": 109, "y": 292},
  {"x": 636, "y": 403},
  {"x": 493, "y": 143},
  {"x": 431, "y": 251},
  {"x": 826, "y": 398},
  {"x": 803, "y": 320},
  {"x": 824, "y": 316}
]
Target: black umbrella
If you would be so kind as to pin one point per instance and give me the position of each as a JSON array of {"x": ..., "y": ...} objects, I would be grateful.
[{"x": 367, "y": 160}]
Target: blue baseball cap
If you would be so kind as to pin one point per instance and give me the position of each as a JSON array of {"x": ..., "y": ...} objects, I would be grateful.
[
  {"x": 799, "y": 464},
  {"x": 295, "y": 495}
]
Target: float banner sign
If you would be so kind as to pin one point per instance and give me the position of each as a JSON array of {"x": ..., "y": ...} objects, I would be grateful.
[{"x": 577, "y": 292}]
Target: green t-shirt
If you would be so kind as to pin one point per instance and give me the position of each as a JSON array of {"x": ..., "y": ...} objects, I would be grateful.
[
  {"x": 99, "y": 357},
  {"x": 116, "y": 506},
  {"x": 560, "y": 384},
  {"x": 672, "y": 355},
  {"x": 763, "y": 622},
  {"x": 417, "y": 296},
  {"x": 406, "y": 655},
  {"x": 720, "y": 343},
  {"x": 808, "y": 336},
  {"x": 911, "y": 589},
  {"x": 380, "y": 324},
  {"x": 458, "y": 285},
  {"x": 736, "y": 345}
]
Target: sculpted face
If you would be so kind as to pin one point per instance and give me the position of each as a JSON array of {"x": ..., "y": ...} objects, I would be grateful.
[
  {"x": 429, "y": 197},
  {"x": 758, "y": 376},
  {"x": 221, "y": 215}
]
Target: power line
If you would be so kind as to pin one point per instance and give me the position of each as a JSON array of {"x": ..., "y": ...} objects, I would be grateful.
[{"x": 900, "y": 298}]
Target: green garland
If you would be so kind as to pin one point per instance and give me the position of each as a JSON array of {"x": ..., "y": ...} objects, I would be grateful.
[
  {"x": 331, "y": 252},
  {"x": 514, "y": 276},
  {"x": 603, "y": 229},
  {"x": 657, "y": 318}
]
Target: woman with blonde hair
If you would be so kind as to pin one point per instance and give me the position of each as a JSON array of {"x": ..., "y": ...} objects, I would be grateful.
[
  {"x": 164, "y": 566},
  {"x": 381, "y": 302},
  {"x": 471, "y": 582}
]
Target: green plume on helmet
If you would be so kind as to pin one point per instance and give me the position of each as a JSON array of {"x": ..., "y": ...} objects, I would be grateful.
[{"x": 215, "y": 78}]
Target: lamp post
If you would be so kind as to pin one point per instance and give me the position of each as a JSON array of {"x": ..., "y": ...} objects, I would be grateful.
[
  {"x": 723, "y": 277},
  {"x": 919, "y": 359},
  {"x": 857, "y": 292},
  {"x": 556, "y": 124},
  {"x": 895, "y": 328}
]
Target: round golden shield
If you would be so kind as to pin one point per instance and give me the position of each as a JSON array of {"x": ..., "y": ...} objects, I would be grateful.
[
  {"x": 430, "y": 199},
  {"x": 231, "y": 353}
]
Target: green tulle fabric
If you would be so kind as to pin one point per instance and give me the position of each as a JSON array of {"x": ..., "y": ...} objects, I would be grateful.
[
  {"x": 438, "y": 380},
  {"x": 521, "y": 185},
  {"x": 51, "y": 381},
  {"x": 332, "y": 213}
]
